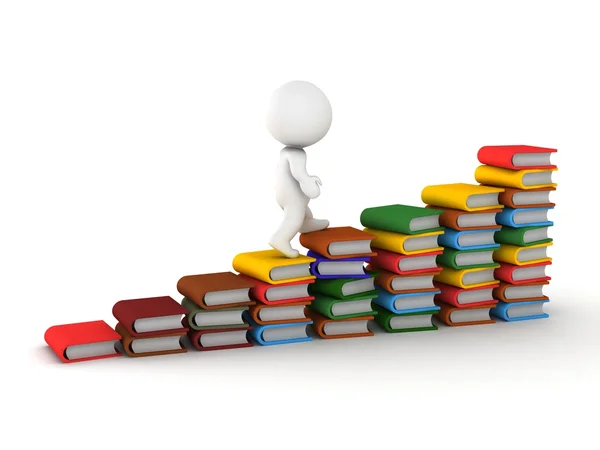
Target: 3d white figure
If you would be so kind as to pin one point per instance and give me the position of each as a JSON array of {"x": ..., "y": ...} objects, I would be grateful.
[{"x": 299, "y": 115}]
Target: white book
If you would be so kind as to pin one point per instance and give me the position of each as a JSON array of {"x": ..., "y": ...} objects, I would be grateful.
[
  {"x": 91, "y": 350},
  {"x": 343, "y": 327},
  {"x": 218, "y": 318},
  {"x": 412, "y": 282},
  {"x": 220, "y": 338},
  {"x": 284, "y": 312},
  {"x": 151, "y": 324}
]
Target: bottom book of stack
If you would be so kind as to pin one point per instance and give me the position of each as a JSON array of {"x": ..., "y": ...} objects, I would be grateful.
[{"x": 520, "y": 302}]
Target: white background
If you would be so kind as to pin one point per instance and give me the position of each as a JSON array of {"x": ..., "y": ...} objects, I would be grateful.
[{"x": 134, "y": 152}]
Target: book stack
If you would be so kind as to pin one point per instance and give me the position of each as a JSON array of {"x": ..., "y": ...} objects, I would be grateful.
[
  {"x": 280, "y": 294},
  {"x": 150, "y": 326},
  {"x": 406, "y": 243},
  {"x": 215, "y": 304},
  {"x": 466, "y": 281},
  {"x": 344, "y": 290},
  {"x": 525, "y": 174}
]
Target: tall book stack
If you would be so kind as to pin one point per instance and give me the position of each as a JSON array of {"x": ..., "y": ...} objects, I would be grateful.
[
  {"x": 525, "y": 174},
  {"x": 406, "y": 243},
  {"x": 280, "y": 293},
  {"x": 466, "y": 281},
  {"x": 215, "y": 304},
  {"x": 343, "y": 289}
]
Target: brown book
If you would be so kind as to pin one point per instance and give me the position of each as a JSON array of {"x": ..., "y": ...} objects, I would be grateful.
[
  {"x": 328, "y": 328},
  {"x": 403, "y": 284},
  {"x": 339, "y": 242},
  {"x": 526, "y": 292},
  {"x": 286, "y": 313},
  {"x": 466, "y": 315},
  {"x": 163, "y": 344},
  {"x": 465, "y": 220},
  {"x": 524, "y": 197},
  {"x": 216, "y": 290}
]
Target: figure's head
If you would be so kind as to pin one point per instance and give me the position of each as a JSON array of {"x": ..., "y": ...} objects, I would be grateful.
[{"x": 299, "y": 114}]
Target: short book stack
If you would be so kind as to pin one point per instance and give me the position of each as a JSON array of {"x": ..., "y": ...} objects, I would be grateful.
[
  {"x": 280, "y": 295},
  {"x": 215, "y": 303},
  {"x": 466, "y": 282},
  {"x": 343, "y": 290},
  {"x": 406, "y": 243},
  {"x": 525, "y": 174}
]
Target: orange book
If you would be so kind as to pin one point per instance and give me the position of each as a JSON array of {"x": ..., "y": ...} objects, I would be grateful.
[
  {"x": 341, "y": 328},
  {"x": 526, "y": 292},
  {"x": 339, "y": 242},
  {"x": 403, "y": 284},
  {"x": 464, "y": 220},
  {"x": 465, "y": 315},
  {"x": 286, "y": 313}
]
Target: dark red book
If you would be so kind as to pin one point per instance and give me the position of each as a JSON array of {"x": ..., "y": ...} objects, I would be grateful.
[
  {"x": 278, "y": 294},
  {"x": 153, "y": 316},
  {"x": 83, "y": 341},
  {"x": 516, "y": 157},
  {"x": 219, "y": 339}
]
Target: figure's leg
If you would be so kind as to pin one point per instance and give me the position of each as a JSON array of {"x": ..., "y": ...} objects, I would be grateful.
[
  {"x": 293, "y": 216},
  {"x": 311, "y": 224}
]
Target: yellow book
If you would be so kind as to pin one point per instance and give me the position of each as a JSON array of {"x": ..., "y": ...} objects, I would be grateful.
[
  {"x": 462, "y": 196},
  {"x": 406, "y": 244},
  {"x": 467, "y": 278},
  {"x": 272, "y": 267},
  {"x": 520, "y": 179},
  {"x": 520, "y": 256}
]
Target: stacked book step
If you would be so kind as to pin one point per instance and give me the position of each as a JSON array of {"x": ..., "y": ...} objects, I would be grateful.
[
  {"x": 280, "y": 295},
  {"x": 344, "y": 290},
  {"x": 525, "y": 175},
  {"x": 466, "y": 282},
  {"x": 406, "y": 246}
]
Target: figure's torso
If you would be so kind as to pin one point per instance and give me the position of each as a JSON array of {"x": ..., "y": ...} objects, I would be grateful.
[{"x": 286, "y": 186}]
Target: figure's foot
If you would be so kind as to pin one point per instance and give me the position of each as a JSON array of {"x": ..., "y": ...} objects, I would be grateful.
[
  {"x": 314, "y": 225},
  {"x": 283, "y": 247}
]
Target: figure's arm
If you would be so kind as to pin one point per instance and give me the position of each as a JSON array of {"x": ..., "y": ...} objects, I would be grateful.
[{"x": 309, "y": 184}]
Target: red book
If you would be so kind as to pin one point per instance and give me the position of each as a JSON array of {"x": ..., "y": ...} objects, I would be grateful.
[
  {"x": 83, "y": 341},
  {"x": 516, "y": 157},
  {"x": 464, "y": 298},
  {"x": 406, "y": 264},
  {"x": 219, "y": 339},
  {"x": 279, "y": 294},
  {"x": 529, "y": 273},
  {"x": 154, "y": 316}
]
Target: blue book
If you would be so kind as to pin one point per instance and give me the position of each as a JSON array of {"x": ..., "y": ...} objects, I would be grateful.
[
  {"x": 280, "y": 333},
  {"x": 406, "y": 303},
  {"x": 524, "y": 217},
  {"x": 468, "y": 239},
  {"x": 338, "y": 268},
  {"x": 515, "y": 311}
]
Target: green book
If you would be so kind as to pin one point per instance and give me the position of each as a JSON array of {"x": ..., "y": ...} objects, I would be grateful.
[
  {"x": 345, "y": 288},
  {"x": 467, "y": 259},
  {"x": 335, "y": 308},
  {"x": 204, "y": 319},
  {"x": 523, "y": 237},
  {"x": 402, "y": 323},
  {"x": 403, "y": 219}
]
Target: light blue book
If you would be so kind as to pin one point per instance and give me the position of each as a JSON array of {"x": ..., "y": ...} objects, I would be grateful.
[
  {"x": 515, "y": 311},
  {"x": 524, "y": 217},
  {"x": 280, "y": 333},
  {"x": 406, "y": 303},
  {"x": 468, "y": 239}
]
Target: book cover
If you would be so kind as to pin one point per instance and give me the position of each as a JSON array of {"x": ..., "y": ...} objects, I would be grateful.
[
  {"x": 504, "y": 156},
  {"x": 450, "y": 258},
  {"x": 334, "y": 287},
  {"x": 457, "y": 278},
  {"x": 497, "y": 176},
  {"x": 385, "y": 280},
  {"x": 320, "y": 323},
  {"x": 390, "y": 301},
  {"x": 326, "y": 306},
  {"x": 504, "y": 311},
  {"x": 445, "y": 315},
  {"x": 451, "y": 218},
  {"x": 61, "y": 337},
  {"x": 500, "y": 292},
  {"x": 507, "y": 218},
  {"x": 507, "y": 198},
  {"x": 452, "y": 238},
  {"x": 419, "y": 263},
  {"x": 506, "y": 272},
  {"x": 197, "y": 287},
  {"x": 516, "y": 236},
  {"x": 397, "y": 242},
  {"x": 260, "y": 264},
  {"x": 220, "y": 339},
  {"x": 511, "y": 254},
  {"x": 400, "y": 218},
  {"x": 314, "y": 266},
  {"x": 384, "y": 319},
  {"x": 255, "y": 313},
  {"x": 193, "y": 309},
  {"x": 450, "y": 295},
  {"x": 128, "y": 311},
  {"x": 265, "y": 293},
  {"x": 256, "y": 333},
  {"x": 456, "y": 196},
  {"x": 127, "y": 339},
  {"x": 323, "y": 242}
]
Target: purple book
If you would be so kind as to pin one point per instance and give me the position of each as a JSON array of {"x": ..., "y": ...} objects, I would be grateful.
[{"x": 338, "y": 268}]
